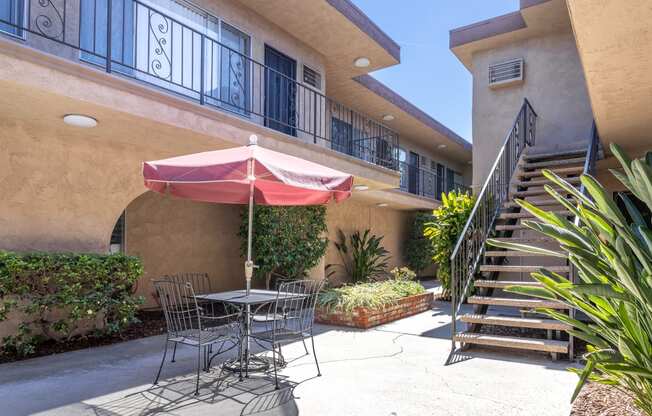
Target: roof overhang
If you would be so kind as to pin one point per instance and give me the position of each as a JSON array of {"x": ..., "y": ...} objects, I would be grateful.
[
  {"x": 534, "y": 18},
  {"x": 335, "y": 28},
  {"x": 613, "y": 39}
]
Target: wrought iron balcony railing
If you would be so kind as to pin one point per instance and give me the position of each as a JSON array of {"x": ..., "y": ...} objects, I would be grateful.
[
  {"x": 169, "y": 51},
  {"x": 426, "y": 183}
]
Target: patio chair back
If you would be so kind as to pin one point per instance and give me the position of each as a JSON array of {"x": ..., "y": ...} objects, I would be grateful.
[
  {"x": 296, "y": 312},
  {"x": 182, "y": 313},
  {"x": 200, "y": 282}
]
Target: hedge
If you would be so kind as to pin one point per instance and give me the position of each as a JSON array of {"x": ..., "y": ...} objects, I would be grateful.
[{"x": 57, "y": 293}]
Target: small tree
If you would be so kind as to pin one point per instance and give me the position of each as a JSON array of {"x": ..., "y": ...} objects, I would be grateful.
[
  {"x": 418, "y": 250},
  {"x": 444, "y": 230},
  {"x": 286, "y": 240}
]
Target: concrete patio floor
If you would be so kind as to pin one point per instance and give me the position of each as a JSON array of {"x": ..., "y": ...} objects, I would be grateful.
[{"x": 396, "y": 369}]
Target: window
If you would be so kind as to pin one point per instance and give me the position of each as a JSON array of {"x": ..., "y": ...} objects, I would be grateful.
[
  {"x": 311, "y": 77},
  {"x": 160, "y": 42},
  {"x": 234, "y": 69},
  {"x": 12, "y": 14},
  {"x": 441, "y": 173},
  {"x": 117, "y": 243}
]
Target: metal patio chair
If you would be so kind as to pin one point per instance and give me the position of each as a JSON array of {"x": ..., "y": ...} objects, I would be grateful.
[
  {"x": 293, "y": 318},
  {"x": 186, "y": 324},
  {"x": 201, "y": 284}
]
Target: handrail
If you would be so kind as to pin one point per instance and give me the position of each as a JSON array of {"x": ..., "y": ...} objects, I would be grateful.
[
  {"x": 589, "y": 168},
  {"x": 469, "y": 248}
]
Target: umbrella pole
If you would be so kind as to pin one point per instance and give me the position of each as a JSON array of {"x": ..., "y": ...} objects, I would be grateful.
[{"x": 249, "y": 264}]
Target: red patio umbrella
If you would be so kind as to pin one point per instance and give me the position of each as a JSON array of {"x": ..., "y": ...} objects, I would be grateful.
[{"x": 248, "y": 174}]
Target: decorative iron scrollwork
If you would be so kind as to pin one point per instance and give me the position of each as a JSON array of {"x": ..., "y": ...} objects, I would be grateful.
[
  {"x": 49, "y": 20},
  {"x": 160, "y": 63}
]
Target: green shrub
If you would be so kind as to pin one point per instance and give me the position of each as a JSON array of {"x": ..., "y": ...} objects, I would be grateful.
[
  {"x": 613, "y": 258},
  {"x": 447, "y": 224},
  {"x": 58, "y": 292},
  {"x": 363, "y": 256},
  {"x": 373, "y": 295},
  {"x": 418, "y": 250},
  {"x": 402, "y": 273},
  {"x": 287, "y": 241}
]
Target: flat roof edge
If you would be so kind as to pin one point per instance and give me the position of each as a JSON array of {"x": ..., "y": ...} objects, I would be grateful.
[
  {"x": 486, "y": 28},
  {"x": 393, "y": 97},
  {"x": 494, "y": 26},
  {"x": 366, "y": 25}
]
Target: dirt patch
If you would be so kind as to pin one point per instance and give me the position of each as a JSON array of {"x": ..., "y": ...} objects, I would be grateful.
[
  {"x": 151, "y": 323},
  {"x": 601, "y": 400}
]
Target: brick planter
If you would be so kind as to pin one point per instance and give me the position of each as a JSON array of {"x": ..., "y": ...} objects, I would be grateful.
[{"x": 367, "y": 318}]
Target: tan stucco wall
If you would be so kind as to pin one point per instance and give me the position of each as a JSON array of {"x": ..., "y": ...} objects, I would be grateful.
[
  {"x": 352, "y": 216},
  {"x": 173, "y": 235},
  {"x": 554, "y": 84}
]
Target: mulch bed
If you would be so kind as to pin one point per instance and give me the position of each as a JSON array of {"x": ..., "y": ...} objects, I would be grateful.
[
  {"x": 151, "y": 323},
  {"x": 600, "y": 400}
]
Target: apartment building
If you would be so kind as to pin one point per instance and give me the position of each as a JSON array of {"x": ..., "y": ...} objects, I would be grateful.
[
  {"x": 159, "y": 78},
  {"x": 554, "y": 83}
]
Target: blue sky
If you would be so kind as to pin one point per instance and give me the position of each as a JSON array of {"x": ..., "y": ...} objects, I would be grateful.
[{"x": 429, "y": 75}]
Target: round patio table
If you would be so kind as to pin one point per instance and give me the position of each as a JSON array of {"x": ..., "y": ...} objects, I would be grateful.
[{"x": 239, "y": 299}]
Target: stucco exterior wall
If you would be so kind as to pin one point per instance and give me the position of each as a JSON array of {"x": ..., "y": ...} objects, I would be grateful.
[
  {"x": 173, "y": 235},
  {"x": 352, "y": 216},
  {"x": 555, "y": 85}
]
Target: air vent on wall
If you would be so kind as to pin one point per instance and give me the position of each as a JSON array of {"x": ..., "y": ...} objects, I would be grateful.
[
  {"x": 311, "y": 77},
  {"x": 506, "y": 73}
]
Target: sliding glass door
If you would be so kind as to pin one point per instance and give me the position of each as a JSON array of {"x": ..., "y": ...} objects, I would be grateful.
[{"x": 12, "y": 17}]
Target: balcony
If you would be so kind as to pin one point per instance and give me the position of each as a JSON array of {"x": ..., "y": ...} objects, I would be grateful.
[
  {"x": 207, "y": 62},
  {"x": 426, "y": 183}
]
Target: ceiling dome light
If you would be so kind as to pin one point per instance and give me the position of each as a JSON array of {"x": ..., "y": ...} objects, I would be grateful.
[
  {"x": 362, "y": 62},
  {"x": 382, "y": 205},
  {"x": 360, "y": 187},
  {"x": 79, "y": 120},
  {"x": 388, "y": 117},
  {"x": 441, "y": 146}
]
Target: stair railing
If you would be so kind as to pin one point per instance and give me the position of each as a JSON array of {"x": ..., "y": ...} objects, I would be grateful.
[
  {"x": 589, "y": 167},
  {"x": 469, "y": 249}
]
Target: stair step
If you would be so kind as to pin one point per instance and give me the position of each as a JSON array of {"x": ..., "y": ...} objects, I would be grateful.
[
  {"x": 498, "y": 253},
  {"x": 534, "y": 192},
  {"x": 514, "y": 321},
  {"x": 516, "y": 303},
  {"x": 556, "y": 155},
  {"x": 524, "y": 269},
  {"x": 537, "y": 203},
  {"x": 536, "y": 239},
  {"x": 501, "y": 284},
  {"x": 532, "y": 344},
  {"x": 549, "y": 163},
  {"x": 515, "y": 227},
  {"x": 512, "y": 215},
  {"x": 574, "y": 170},
  {"x": 544, "y": 181}
]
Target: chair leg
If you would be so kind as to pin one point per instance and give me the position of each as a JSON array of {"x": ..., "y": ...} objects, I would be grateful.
[
  {"x": 274, "y": 361},
  {"x": 241, "y": 352},
  {"x": 312, "y": 338},
  {"x": 199, "y": 354},
  {"x": 174, "y": 352},
  {"x": 304, "y": 345},
  {"x": 165, "y": 351}
]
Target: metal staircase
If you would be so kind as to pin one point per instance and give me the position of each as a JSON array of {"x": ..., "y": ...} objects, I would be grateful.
[{"x": 479, "y": 274}]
